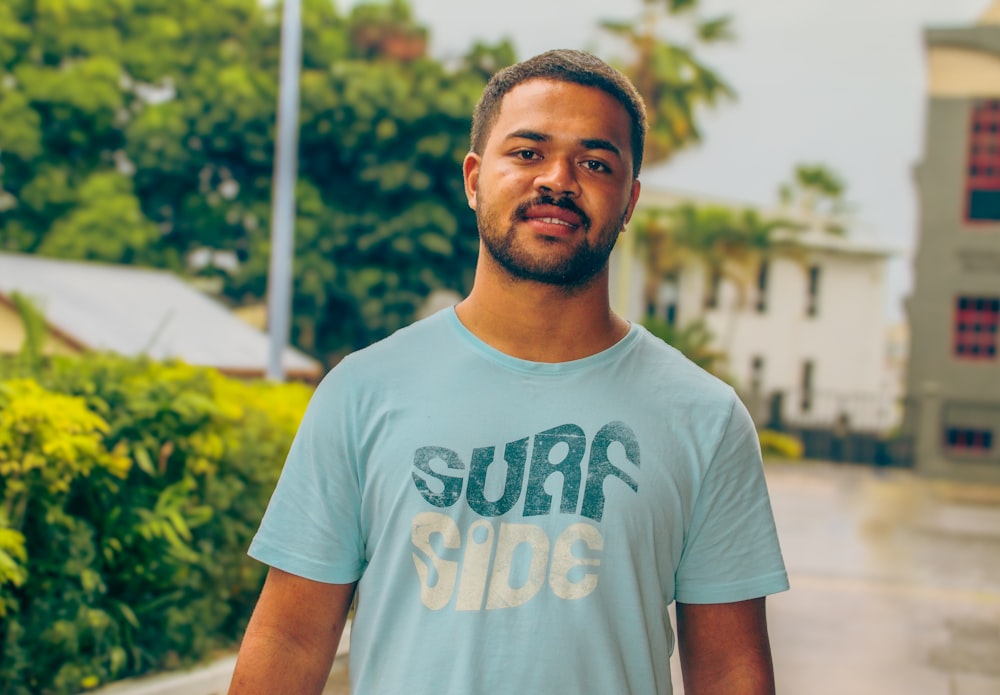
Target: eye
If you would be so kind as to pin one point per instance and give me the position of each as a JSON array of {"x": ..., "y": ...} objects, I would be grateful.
[
  {"x": 526, "y": 155},
  {"x": 596, "y": 166}
]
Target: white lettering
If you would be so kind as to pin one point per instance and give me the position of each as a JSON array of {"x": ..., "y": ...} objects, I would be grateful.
[
  {"x": 563, "y": 561},
  {"x": 519, "y": 555},
  {"x": 435, "y": 591},
  {"x": 475, "y": 566},
  {"x": 502, "y": 594}
]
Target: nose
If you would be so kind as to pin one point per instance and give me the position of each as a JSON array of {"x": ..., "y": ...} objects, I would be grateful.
[{"x": 558, "y": 177}]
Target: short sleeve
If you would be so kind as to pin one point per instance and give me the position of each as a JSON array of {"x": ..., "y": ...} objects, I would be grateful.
[
  {"x": 731, "y": 551},
  {"x": 312, "y": 527}
]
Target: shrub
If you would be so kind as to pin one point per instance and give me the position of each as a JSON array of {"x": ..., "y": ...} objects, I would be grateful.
[
  {"x": 130, "y": 491},
  {"x": 779, "y": 445}
]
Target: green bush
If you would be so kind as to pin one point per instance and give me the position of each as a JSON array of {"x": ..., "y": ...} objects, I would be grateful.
[
  {"x": 129, "y": 491},
  {"x": 779, "y": 445}
]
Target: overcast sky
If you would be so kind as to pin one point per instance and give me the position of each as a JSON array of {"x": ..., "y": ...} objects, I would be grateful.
[{"x": 839, "y": 82}]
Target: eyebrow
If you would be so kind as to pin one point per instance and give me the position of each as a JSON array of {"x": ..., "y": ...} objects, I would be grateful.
[{"x": 589, "y": 143}]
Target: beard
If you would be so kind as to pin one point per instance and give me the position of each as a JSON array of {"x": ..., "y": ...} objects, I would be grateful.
[{"x": 558, "y": 268}]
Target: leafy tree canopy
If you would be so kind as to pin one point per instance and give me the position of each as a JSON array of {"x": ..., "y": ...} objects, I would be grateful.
[{"x": 141, "y": 131}]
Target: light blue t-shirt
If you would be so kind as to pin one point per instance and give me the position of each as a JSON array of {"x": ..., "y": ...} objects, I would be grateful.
[{"x": 520, "y": 527}]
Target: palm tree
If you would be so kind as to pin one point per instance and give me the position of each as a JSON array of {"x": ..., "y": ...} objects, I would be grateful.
[
  {"x": 694, "y": 341},
  {"x": 674, "y": 84},
  {"x": 728, "y": 243},
  {"x": 816, "y": 196},
  {"x": 671, "y": 79}
]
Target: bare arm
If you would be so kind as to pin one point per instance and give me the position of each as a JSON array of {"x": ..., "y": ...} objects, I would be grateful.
[
  {"x": 292, "y": 637},
  {"x": 724, "y": 648}
]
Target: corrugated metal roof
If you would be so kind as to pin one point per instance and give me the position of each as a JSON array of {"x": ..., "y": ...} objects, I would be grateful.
[{"x": 135, "y": 311}]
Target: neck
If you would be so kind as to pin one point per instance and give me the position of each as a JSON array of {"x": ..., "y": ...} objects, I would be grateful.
[{"x": 539, "y": 322}]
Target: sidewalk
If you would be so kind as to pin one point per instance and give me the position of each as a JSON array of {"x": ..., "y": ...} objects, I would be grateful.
[{"x": 213, "y": 678}]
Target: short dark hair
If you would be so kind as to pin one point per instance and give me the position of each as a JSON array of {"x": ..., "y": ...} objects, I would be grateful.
[{"x": 562, "y": 65}]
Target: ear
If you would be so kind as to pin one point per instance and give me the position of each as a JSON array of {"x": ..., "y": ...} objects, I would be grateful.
[
  {"x": 633, "y": 199},
  {"x": 470, "y": 172}
]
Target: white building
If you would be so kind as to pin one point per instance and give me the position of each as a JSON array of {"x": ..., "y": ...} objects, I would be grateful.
[{"x": 806, "y": 337}]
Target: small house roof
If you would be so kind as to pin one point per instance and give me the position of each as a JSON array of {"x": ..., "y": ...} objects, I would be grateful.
[{"x": 140, "y": 311}]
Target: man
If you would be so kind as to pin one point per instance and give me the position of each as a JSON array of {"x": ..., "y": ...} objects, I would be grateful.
[{"x": 520, "y": 485}]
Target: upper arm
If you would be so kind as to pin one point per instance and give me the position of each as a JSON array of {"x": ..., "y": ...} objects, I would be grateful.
[
  {"x": 724, "y": 648},
  {"x": 293, "y": 635},
  {"x": 303, "y": 609}
]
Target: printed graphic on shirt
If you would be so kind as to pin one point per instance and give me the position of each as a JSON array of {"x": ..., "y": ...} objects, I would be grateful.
[{"x": 496, "y": 564}]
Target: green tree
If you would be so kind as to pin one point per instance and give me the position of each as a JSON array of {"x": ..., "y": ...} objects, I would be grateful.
[
  {"x": 141, "y": 131},
  {"x": 382, "y": 219},
  {"x": 106, "y": 225},
  {"x": 663, "y": 62},
  {"x": 381, "y": 214},
  {"x": 76, "y": 77}
]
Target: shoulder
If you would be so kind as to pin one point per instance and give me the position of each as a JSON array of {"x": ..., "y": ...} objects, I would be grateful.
[
  {"x": 665, "y": 371},
  {"x": 404, "y": 353},
  {"x": 408, "y": 344}
]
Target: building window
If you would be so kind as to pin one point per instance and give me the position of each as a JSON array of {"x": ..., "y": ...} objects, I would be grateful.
[
  {"x": 976, "y": 321},
  {"x": 664, "y": 304},
  {"x": 757, "y": 375},
  {"x": 714, "y": 286},
  {"x": 812, "y": 300},
  {"x": 808, "y": 370},
  {"x": 983, "y": 179},
  {"x": 965, "y": 439},
  {"x": 762, "y": 287}
]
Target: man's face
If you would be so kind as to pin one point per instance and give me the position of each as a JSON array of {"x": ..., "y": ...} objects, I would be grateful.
[{"x": 553, "y": 186}]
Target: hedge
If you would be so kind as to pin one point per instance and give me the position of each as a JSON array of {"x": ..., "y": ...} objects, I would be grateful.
[{"x": 129, "y": 491}]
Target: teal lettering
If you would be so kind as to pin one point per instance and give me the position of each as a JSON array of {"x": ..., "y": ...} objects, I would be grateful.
[
  {"x": 515, "y": 454},
  {"x": 452, "y": 486},
  {"x": 601, "y": 467},
  {"x": 538, "y": 501}
]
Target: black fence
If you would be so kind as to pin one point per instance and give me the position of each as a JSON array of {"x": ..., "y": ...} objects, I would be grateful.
[
  {"x": 855, "y": 447},
  {"x": 850, "y": 428}
]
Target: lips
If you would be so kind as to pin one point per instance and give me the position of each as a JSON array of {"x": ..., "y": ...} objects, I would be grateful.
[{"x": 554, "y": 215}]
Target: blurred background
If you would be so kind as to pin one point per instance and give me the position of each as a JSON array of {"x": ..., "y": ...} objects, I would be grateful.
[{"x": 819, "y": 226}]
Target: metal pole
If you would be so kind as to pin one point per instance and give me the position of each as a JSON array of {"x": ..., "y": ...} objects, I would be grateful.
[{"x": 279, "y": 279}]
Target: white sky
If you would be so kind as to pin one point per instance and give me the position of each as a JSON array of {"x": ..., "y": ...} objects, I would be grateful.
[{"x": 839, "y": 82}]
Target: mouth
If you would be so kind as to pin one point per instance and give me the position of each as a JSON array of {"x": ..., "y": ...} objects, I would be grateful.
[
  {"x": 558, "y": 218},
  {"x": 553, "y": 220}
]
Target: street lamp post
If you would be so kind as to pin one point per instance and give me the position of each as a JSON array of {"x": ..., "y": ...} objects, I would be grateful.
[{"x": 279, "y": 279}]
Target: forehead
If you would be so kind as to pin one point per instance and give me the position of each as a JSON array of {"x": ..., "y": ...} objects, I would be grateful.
[{"x": 559, "y": 108}]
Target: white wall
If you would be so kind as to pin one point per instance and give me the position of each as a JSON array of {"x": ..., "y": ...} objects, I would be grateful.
[{"x": 847, "y": 339}]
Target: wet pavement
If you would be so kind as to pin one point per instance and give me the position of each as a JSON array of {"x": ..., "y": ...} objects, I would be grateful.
[{"x": 895, "y": 584}]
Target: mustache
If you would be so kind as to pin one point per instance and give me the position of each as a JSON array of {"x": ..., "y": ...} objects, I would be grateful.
[{"x": 521, "y": 211}]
